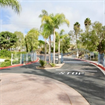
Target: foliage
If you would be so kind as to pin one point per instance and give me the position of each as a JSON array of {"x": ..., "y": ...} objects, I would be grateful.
[
  {"x": 52, "y": 64},
  {"x": 31, "y": 40},
  {"x": 65, "y": 44},
  {"x": 76, "y": 28},
  {"x": 46, "y": 26},
  {"x": 43, "y": 63},
  {"x": 87, "y": 23},
  {"x": 12, "y": 3},
  {"x": 5, "y": 53},
  {"x": 77, "y": 31},
  {"x": 20, "y": 40},
  {"x": 6, "y": 63},
  {"x": 6, "y": 60},
  {"x": 41, "y": 43},
  {"x": 45, "y": 33},
  {"x": 53, "y": 22},
  {"x": 59, "y": 37},
  {"x": 94, "y": 39},
  {"x": 14, "y": 52},
  {"x": 16, "y": 62},
  {"x": 7, "y": 39}
]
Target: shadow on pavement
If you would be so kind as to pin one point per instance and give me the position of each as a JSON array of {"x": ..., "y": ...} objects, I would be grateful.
[{"x": 91, "y": 87}]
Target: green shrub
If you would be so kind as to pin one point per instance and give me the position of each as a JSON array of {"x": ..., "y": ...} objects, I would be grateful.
[
  {"x": 6, "y": 60},
  {"x": 14, "y": 52},
  {"x": 52, "y": 64},
  {"x": 4, "y": 64},
  {"x": 5, "y": 53},
  {"x": 16, "y": 62},
  {"x": 43, "y": 63}
]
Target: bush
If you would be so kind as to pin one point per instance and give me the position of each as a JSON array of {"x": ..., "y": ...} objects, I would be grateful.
[
  {"x": 43, "y": 63},
  {"x": 16, "y": 62},
  {"x": 5, "y": 53},
  {"x": 4, "y": 64},
  {"x": 6, "y": 60},
  {"x": 14, "y": 52},
  {"x": 52, "y": 64}
]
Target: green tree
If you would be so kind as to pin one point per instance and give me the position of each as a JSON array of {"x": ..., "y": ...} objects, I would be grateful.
[
  {"x": 59, "y": 37},
  {"x": 20, "y": 40},
  {"x": 55, "y": 21},
  {"x": 7, "y": 39},
  {"x": 95, "y": 39},
  {"x": 87, "y": 23},
  {"x": 41, "y": 43},
  {"x": 77, "y": 30},
  {"x": 65, "y": 43},
  {"x": 31, "y": 40},
  {"x": 45, "y": 33},
  {"x": 12, "y": 3},
  {"x": 48, "y": 27}
]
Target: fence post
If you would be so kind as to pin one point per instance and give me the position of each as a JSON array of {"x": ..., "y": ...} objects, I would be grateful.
[
  {"x": 27, "y": 57},
  {"x": 35, "y": 56},
  {"x": 11, "y": 58},
  {"x": 20, "y": 58}
]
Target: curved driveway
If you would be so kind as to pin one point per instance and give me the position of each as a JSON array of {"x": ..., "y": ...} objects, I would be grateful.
[{"x": 87, "y": 79}]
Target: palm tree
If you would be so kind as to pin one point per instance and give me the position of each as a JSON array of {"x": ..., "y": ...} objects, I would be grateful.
[
  {"x": 87, "y": 23},
  {"x": 45, "y": 33},
  {"x": 48, "y": 27},
  {"x": 12, "y": 3},
  {"x": 59, "y": 36},
  {"x": 56, "y": 21},
  {"x": 41, "y": 44},
  {"x": 77, "y": 30}
]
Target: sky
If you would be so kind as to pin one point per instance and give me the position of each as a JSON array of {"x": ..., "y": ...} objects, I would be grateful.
[{"x": 74, "y": 11}]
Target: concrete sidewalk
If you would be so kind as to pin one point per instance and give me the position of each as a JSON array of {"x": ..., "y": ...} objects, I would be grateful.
[{"x": 29, "y": 89}]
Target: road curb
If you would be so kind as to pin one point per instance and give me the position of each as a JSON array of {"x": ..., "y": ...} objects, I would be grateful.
[
  {"x": 19, "y": 64},
  {"x": 96, "y": 64}
]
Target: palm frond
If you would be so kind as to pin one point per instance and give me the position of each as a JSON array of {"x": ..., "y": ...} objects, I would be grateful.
[{"x": 11, "y": 3}]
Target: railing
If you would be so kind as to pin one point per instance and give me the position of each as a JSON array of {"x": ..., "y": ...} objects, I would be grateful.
[
  {"x": 22, "y": 58},
  {"x": 42, "y": 57}
]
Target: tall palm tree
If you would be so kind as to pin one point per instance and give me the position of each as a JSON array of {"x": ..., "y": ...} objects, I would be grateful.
[
  {"x": 87, "y": 23},
  {"x": 59, "y": 36},
  {"x": 77, "y": 30},
  {"x": 12, "y": 3},
  {"x": 56, "y": 21},
  {"x": 45, "y": 33},
  {"x": 48, "y": 28}
]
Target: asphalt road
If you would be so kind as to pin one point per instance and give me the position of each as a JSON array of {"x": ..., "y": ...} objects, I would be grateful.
[{"x": 87, "y": 79}]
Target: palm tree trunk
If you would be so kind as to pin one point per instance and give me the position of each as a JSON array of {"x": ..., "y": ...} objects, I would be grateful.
[
  {"x": 45, "y": 51},
  {"x": 50, "y": 49},
  {"x": 77, "y": 47},
  {"x": 54, "y": 47},
  {"x": 59, "y": 51}
]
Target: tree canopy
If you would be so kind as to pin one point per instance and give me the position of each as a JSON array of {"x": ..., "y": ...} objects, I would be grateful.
[
  {"x": 31, "y": 40},
  {"x": 20, "y": 39},
  {"x": 7, "y": 39},
  {"x": 87, "y": 23},
  {"x": 95, "y": 38}
]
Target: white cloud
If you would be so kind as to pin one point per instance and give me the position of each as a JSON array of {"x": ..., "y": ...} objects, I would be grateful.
[{"x": 74, "y": 11}]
